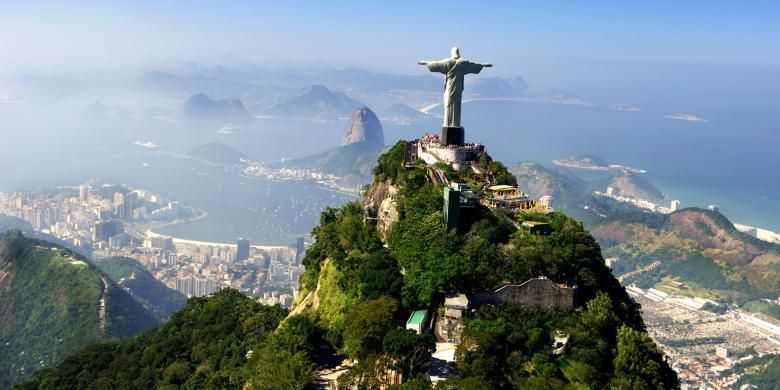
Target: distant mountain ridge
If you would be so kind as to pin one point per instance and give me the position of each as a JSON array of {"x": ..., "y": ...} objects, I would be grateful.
[
  {"x": 53, "y": 302},
  {"x": 200, "y": 107},
  {"x": 402, "y": 113},
  {"x": 292, "y": 92},
  {"x": 313, "y": 102},
  {"x": 498, "y": 87}
]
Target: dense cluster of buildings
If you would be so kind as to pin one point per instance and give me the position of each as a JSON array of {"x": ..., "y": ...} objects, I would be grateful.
[
  {"x": 707, "y": 350},
  {"x": 761, "y": 234},
  {"x": 91, "y": 216},
  {"x": 200, "y": 268},
  {"x": 612, "y": 193},
  {"x": 107, "y": 220},
  {"x": 326, "y": 180}
]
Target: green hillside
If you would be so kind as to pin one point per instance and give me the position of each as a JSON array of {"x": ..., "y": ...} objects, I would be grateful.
[
  {"x": 50, "y": 306},
  {"x": 353, "y": 162},
  {"x": 205, "y": 345},
  {"x": 142, "y": 286},
  {"x": 358, "y": 290},
  {"x": 698, "y": 247}
]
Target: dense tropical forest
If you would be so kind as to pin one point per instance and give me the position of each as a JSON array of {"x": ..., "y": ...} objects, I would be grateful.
[
  {"x": 50, "y": 299},
  {"x": 360, "y": 286}
]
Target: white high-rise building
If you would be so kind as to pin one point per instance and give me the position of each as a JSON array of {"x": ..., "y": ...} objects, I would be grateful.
[
  {"x": 610, "y": 191},
  {"x": 83, "y": 192},
  {"x": 547, "y": 202},
  {"x": 675, "y": 205}
]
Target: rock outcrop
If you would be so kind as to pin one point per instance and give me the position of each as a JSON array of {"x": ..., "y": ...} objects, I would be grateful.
[
  {"x": 380, "y": 202},
  {"x": 364, "y": 126}
]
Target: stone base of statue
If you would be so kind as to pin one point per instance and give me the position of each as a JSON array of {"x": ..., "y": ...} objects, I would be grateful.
[{"x": 452, "y": 136}]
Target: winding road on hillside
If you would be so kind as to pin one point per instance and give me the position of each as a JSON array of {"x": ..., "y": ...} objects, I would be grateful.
[
  {"x": 102, "y": 307},
  {"x": 649, "y": 267}
]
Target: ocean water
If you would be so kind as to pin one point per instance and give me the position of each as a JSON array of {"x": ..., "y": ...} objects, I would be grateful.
[
  {"x": 731, "y": 160},
  {"x": 267, "y": 213},
  {"x": 39, "y": 151}
]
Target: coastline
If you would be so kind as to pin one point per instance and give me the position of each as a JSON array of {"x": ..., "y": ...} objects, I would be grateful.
[
  {"x": 146, "y": 231},
  {"x": 748, "y": 206},
  {"x": 337, "y": 190},
  {"x": 318, "y": 184},
  {"x": 139, "y": 230},
  {"x": 150, "y": 234}
]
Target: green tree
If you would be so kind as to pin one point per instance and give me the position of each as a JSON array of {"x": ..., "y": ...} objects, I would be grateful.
[
  {"x": 366, "y": 326},
  {"x": 638, "y": 363},
  {"x": 391, "y": 164},
  {"x": 428, "y": 253},
  {"x": 600, "y": 315},
  {"x": 203, "y": 345},
  {"x": 409, "y": 352},
  {"x": 370, "y": 275},
  {"x": 480, "y": 354},
  {"x": 297, "y": 334},
  {"x": 370, "y": 373},
  {"x": 278, "y": 369}
]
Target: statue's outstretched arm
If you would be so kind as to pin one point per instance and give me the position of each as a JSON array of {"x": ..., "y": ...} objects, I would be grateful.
[
  {"x": 423, "y": 62},
  {"x": 487, "y": 65}
]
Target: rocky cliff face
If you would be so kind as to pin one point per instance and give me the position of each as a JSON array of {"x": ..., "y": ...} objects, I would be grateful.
[
  {"x": 380, "y": 202},
  {"x": 364, "y": 126}
]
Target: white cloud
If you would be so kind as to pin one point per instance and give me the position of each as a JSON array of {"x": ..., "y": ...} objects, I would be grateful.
[
  {"x": 684, "y": 116},
  {"x": 624, "y": 107}
]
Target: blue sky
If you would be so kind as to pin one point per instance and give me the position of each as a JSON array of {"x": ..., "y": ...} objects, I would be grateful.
[{"x": 537, "y": 37}]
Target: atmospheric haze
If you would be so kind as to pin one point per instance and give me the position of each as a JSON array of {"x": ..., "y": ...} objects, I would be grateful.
[{"x": 688, "y": 92}]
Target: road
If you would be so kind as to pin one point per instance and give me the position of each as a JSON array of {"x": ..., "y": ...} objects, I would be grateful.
[
  {"x": 649, "y": 267},
  {"x": 102, "y": 307}
]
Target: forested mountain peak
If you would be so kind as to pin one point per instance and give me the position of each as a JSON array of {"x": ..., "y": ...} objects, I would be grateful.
[{"x": 371, "y": 266}]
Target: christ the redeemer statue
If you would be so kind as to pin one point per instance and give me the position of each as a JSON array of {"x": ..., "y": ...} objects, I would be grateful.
[{"x": 454, "y": 68}]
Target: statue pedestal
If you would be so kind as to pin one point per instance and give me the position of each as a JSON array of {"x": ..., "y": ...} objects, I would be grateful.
[{"x": 452, "y": 136}]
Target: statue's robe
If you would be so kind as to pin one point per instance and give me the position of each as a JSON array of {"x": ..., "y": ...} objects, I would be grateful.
[{"x": 454, "y": 69}]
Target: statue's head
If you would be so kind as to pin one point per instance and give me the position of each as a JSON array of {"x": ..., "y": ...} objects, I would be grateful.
[{"x": 455, "y": 52}]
